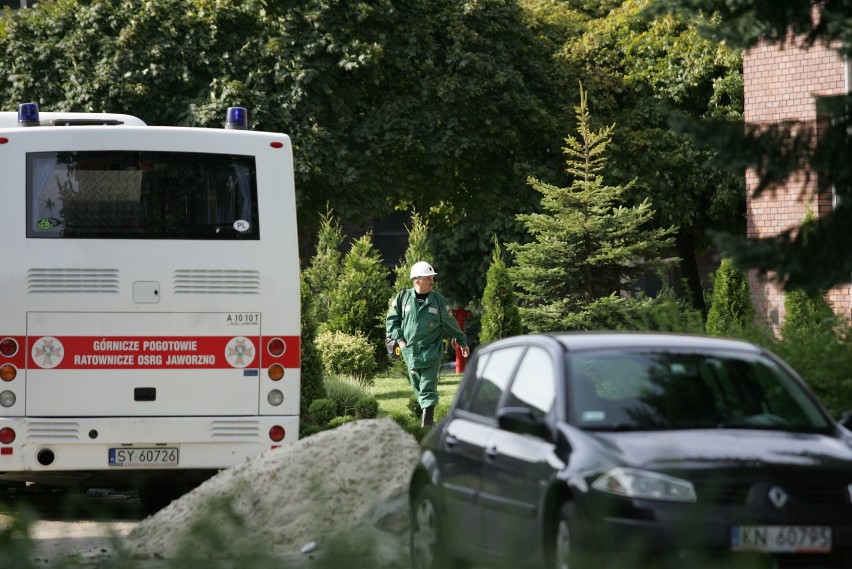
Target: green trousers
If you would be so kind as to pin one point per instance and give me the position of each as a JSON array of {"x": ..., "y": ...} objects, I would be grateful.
[{"x": 424, "y": 381}]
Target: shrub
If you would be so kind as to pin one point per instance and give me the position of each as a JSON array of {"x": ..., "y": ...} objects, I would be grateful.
[
  {"x": 347, "y": 354},
  {"x": 337, "y": 421},
  {"x": 367, "y": 408},
  {"x": 312, "y": 387},
  {"x": 731, "y": 309},
  {"x": 345, "y": 393},
  {"x": 501, "y": 317},
  {"x": 322, "y": 411}
]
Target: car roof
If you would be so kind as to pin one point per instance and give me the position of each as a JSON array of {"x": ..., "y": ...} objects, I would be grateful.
[{"x": 572, "y": 341}]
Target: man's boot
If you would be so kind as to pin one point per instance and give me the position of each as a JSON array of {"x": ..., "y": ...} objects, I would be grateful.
[{"x": 428, "y": 417}]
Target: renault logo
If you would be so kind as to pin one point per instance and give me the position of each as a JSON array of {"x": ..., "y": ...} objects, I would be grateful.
[{"x": 777, "y": 496}]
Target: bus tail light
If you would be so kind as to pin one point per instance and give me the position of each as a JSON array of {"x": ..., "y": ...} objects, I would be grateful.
[
  {"x": 8, "y": 372},
  {"x": 276, "y": 347},
  {"x": 7, "y": 398},
  {"x": 8, "y": 347},
  {"x": 7, "y": 435},
  {"x": 275, "y": 372},
  {"x": 276, "y": 433}
]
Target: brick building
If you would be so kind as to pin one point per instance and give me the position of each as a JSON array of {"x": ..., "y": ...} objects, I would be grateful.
[{"x": 781, "y": 82}]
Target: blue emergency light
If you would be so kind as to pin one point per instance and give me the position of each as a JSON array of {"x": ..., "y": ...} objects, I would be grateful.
[
  {"x": 237, "y": 118},
  {"x": 28, "y": 114}
]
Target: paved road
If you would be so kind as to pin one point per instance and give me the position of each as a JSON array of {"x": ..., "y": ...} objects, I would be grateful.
[{"x": 82, "y": 526}]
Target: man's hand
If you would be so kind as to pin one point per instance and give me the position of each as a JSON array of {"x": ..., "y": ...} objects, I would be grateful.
[
  {"x": 465, "y": 352},
  {"x": 401, "y": 344}
]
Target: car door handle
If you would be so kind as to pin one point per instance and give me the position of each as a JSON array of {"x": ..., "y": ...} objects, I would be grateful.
[
  {"x": 451, "y": 441},
  {"x": 491, "y": 453}
]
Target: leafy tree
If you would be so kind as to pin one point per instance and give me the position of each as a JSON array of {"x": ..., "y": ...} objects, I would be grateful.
[
  {"x": 638, "y": 71},
  {"x": 322, "y": 275},
  {"x": 587, "y": 245},
  {"x": 501, "y": 317},
  {"x": 778, "y": 151},
  {"x": 731, "y": 310},
  {"x": 360, "y": 298},
  {"x": 401, "y": 103}
]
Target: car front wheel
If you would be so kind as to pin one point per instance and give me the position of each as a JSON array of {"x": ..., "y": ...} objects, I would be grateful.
[
  {"x": 427, "y": 549},
  {"x": 566, "y": 553}
]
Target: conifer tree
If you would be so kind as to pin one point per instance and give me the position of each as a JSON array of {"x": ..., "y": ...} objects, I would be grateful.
[
  {"x": 731, "y": 310},
  {"x": 360, "y": 299},
  {"x": 322, "y": 273},
  {"x": 586, "y": 244},
  {"x": 312, "y": 386},
  {"x": 808, "y": 313},
  {"x": 418, "y": 250},
  {"x": 500, "y": 314}
]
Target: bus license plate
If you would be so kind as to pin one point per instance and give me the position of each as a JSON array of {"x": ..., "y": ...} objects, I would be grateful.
[
  {"x": 162, "y": 456},
  {"x": 781, "y": 539}
]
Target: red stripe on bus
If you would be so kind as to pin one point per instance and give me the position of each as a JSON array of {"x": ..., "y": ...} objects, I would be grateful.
[{"x": 160, "y": 352}]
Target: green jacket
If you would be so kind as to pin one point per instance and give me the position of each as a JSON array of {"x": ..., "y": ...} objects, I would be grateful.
[{"x": 422, "y": 327}]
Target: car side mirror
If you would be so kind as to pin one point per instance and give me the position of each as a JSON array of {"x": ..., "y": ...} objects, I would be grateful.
[
  {"x": 846, "y": 420},
  {"x": 521, "y": 420}
]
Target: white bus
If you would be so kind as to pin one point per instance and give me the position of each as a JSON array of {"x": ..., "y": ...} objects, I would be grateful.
[{"x": 149, "y": 315}]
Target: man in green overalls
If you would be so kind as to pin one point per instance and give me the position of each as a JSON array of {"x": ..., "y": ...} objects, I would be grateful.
[{"x": 418, "y": 320}]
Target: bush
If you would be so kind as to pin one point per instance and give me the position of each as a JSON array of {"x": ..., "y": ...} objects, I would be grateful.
[
  {"x": 347, "y": 354},
  {"x": 731, "y": 309},
  {"x": 367, "y": 408},
  {"x": 312, "y": 387},
  {"x": 322, "y": 411},
  {"x": 345, "y": 393},
  {"x": 337, "y": 421}
]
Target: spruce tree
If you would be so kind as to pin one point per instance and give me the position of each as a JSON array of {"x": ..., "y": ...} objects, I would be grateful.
[
  {"x": 500, "y": 315},
  {"x": 586, "y": 244},
  {"x": 731, "y": 310},
  {"x": 324, "y": 269},
  {"x": 418, "y": 250},
  {"x": 360, "y": 299}
]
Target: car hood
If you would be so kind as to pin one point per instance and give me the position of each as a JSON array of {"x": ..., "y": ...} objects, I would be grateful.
[{"x": 662, "y": 450}]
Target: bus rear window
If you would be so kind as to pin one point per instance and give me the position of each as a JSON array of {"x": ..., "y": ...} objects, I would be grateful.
[{"x": 120, "y": 194}]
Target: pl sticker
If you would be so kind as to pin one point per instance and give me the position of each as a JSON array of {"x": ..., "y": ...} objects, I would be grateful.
[
  {"x": 239, "y": 352},
  {"x": 47, "y": 352},
  {"x": 241, "y": 225}
]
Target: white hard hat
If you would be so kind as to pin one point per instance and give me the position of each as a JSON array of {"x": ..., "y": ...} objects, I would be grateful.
[{"x": 422, "y": 269}]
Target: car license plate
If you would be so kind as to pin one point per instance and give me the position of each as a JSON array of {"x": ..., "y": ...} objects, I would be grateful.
[
  {"x": 136, "y": 457},
  {"x": 781, "y": 539}
]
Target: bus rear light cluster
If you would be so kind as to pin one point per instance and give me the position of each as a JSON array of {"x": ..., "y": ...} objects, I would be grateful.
[
  {"x": 8, "y": 347},
  {"x": 276, "y": 433},
  {"x": 7, "y": 435}
]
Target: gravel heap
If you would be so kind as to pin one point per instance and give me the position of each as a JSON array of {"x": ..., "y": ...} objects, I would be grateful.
[{"x": 348, "y": 483}]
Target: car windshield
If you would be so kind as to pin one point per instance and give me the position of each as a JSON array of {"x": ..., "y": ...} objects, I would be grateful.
[{"x": 653, "y": 390}]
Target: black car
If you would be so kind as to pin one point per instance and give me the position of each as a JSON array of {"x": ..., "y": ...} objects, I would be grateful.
[{"x": 617, "y": 449}]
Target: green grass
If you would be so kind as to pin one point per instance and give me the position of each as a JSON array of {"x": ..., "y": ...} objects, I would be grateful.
[{"x": 393, "y": 391}]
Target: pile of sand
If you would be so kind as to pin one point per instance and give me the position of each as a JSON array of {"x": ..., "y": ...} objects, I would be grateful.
[{"x": 347, "y": 483}]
